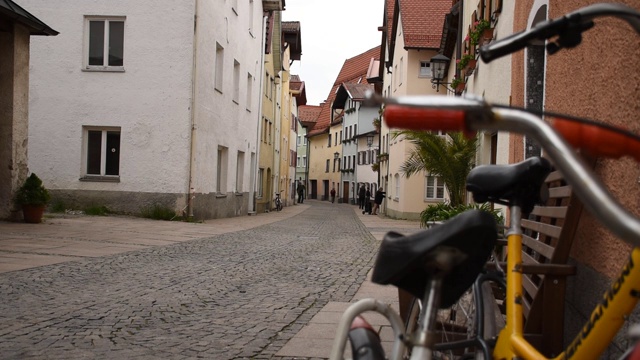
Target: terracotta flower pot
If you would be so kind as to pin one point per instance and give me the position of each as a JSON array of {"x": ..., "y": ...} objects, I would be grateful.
[
  {"x": 485, "y": 37},
  {"x": 471, "y": 66},
  {"x": 33, "y": 213}
]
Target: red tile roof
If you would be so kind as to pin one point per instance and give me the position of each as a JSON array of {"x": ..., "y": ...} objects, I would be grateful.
[
  {"x": 422, "y": 22},
  {"x": 308, "y": 114},
  {"x": 297, "y": 88},
  {"x": 354, "y": 70},
  {"x": 358, "y": 91}
]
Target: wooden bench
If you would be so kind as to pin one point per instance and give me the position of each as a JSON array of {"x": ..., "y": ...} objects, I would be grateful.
[{"x": 548, "y": 234}]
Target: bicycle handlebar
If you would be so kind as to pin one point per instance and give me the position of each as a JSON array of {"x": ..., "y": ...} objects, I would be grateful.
[
  {"x": 473, "y": 114},
  {"x": 568, "y": 28}
]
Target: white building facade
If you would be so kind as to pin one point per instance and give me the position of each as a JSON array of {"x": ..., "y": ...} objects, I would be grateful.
[{"x": 132, "y": 108}]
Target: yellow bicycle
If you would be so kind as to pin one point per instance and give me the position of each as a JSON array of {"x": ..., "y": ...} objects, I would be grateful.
[{"x": 421, "y": 262}]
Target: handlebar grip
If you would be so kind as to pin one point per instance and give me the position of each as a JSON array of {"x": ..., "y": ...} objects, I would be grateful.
[
  {"x": 504, "y": 47},
  {"x": 415, "y": 118},
  {"x": 598, "y": 139}
]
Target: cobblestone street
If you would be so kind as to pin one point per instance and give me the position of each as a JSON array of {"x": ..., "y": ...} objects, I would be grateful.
[{"x": 241, "y": 294}]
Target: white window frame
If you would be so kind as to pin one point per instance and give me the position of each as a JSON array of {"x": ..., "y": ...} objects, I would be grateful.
[
  {"x": 219, "y": 68},
  {"x": 438, "y": 184},
  {"x": 249, "y": 92},
  {"x": 240, "y": 172},
  {"x": 421, "y": 73},
  {"x": 87, "y": 35},
  {"x": 221, "y": 170},
  {"x": 396, "y": 179},
  {"x": 103, "y": 153},
  {"x": 236, "y": 82}
]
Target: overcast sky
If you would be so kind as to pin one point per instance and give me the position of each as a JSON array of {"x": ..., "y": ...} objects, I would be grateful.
[{"x": 332, "y": 31}]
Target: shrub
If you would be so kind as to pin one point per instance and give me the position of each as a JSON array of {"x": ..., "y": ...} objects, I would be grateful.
[
  {"x": 99, "y": 210},
  {"x": 158, "y": 212},
  {"x": 445, "y": 211},
  {"x": 32, "y": 192}
]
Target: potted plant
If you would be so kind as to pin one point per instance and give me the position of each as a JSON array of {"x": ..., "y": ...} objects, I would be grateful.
[
  {"x": 33, "y": 197},
  {"x": 482, "y": 32},
  {"x": 457, "y": 84},
  {"x": 467, "y": 63},
  {"x": 375, "y": 166}
]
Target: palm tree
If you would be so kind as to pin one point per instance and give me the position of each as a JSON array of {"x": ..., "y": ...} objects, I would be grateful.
[{"x": 450, "y": 157}]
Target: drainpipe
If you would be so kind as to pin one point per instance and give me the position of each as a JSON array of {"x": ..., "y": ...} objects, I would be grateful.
[{"x": 191, "y": 190}]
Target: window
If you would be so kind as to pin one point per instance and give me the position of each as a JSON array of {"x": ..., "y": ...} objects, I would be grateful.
[
  {"x": 396, "y": 179},
  {"x": 260, "y": 184},
  {"x": 329, "y": 145},
  {"x": 298, "y": 161},
  {"x": 249, "y": 91},
  {"x": 104, "y": 43},
  {"x": 239, "y": 172},
  {"x": 304, "y": 161},
  {"x": 221, "y": 170},
  {"x": 219, "y": 67},
  {"x": 327, "y": 166},
  {"x": 236, "y": 81},
  {"x": 101, "y": 152},
  {"x": 251, "y": 17},
  {"x": 425, "y": 69},
  {"x": 434, "y": 188}
]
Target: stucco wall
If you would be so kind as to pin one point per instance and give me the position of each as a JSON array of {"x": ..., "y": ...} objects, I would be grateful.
[
  {"x": 14, "y": 115},
  {"x": 585, "y": 81},
  {"x": 150, "y": 101}
]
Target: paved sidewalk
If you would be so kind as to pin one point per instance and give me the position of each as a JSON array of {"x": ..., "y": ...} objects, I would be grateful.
[
  {"x": 68, "y": 238},
  {"x": 316, "y": 339},
  {"x": 62, "y": 238}
]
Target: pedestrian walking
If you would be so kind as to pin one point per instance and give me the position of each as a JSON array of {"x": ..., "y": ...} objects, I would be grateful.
[
  {"x": 378, "y": 200},
  {"x": 333, "y": 194},
  {"x": 361, "y": 194},
  {"x": 300, "y": 191}
]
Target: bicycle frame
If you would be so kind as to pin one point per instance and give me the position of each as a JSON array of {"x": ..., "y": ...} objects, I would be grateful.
[
  {"x": 470, "y": 115},
  {"x": 602, "y": 326}
]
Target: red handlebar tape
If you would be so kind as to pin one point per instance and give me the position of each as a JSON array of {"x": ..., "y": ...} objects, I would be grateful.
[
  {"x": 414, "y": 118},
  {"x": 598, "y": 139}
]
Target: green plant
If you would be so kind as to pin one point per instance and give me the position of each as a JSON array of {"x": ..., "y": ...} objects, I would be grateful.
[
  {"x": 158, "y": 212},
  {"x": 375, "y": 166},
  {"x": 456, "y": 81},
  {"x": 479, "y": 27},
  {"x": 32, "y": 192},
  {"x": 58, "y": 206},
  {"x": 99, "y": 210},
  {"x": 450, "y": 157},
  {"x": 376, "y": 122},
  {"x": 445, "y": 211},
  {"x": 464, "y": 60}
]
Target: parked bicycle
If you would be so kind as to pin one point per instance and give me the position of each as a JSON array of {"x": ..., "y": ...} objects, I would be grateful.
[{"x": 456, "y": 251}]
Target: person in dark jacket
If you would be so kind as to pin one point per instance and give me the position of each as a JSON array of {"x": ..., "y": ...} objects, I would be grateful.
[
  {"x": 378, "y": 200},
  {"x": 361, "y": 194}
]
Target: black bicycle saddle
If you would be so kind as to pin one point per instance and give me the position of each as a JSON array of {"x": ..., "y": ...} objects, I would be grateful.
[
  {"x": 519, "y": 184},
  {"x": 408, "y": 261}
]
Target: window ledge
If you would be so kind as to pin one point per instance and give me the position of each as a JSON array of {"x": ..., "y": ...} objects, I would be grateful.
[
  {"x": 239, "y": 194},
  {"x": 99, "y": 178},
  {"x": 118, "y": 69},
  {"x": 220, "y": 195}
]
